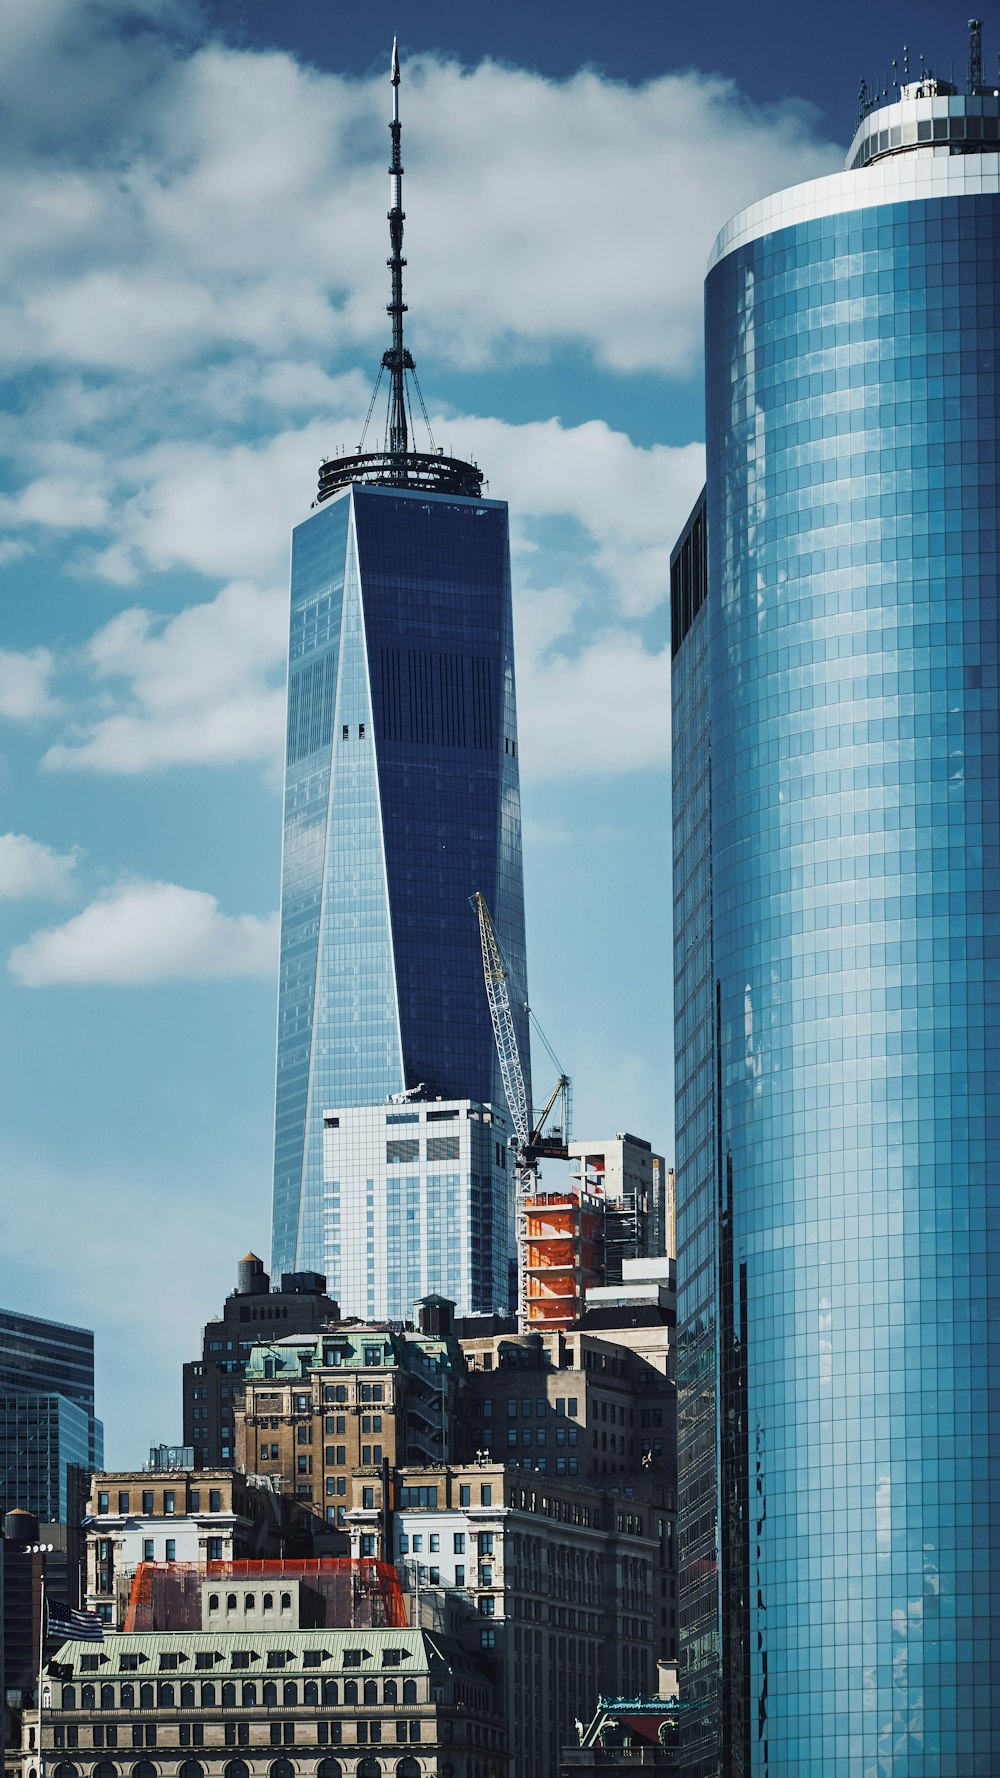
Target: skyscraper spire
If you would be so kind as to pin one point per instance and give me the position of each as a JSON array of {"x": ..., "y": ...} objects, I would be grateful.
[
  {"x": 398, "y": 464},
  {"x": 397, "y": 359}
]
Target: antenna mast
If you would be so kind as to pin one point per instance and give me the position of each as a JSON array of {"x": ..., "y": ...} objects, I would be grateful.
[
  {"x": 975, "y": 55},
  {"x": 398, "y": 464},
  {"x": 397, "y": 360}
]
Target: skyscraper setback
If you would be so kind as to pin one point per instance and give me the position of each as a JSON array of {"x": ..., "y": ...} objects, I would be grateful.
[
  {"x": 837, "y": 946},
  {"x": 401, "y": 800}
]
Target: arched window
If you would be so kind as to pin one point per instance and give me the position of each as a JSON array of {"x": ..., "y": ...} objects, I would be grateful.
[
  {"x": 86, "y": 1697},
  {"x": 128, "y": 1696},
  {"x": 230, "y": 1601},
  {"x": 369, "y": 1768},
  {"x": 191, "y": 1768},
  {"x": 144, "y": 1768},
  {"x": 270, "y": 1692},
  {"x": 267, "y": 1602},
  {"x": 187, "y": 1695},
  {"x": 207, "y": 1692},
  {"x": 236, "y": 1768},
  {"x": 282, "y": 1768},
  {"x": 328, "y": 1768},
  {"x": 330, "y": 1695},
  {"x": 310, "y": 1692},
  {"x": 107, "y": 1697},
  {"x": 371, "y": 1691},
  {"x": 167, "y": 1695},
  {"x": 250, "y": 1602},
  {"x": 389, "y": 1692},
  {"x": 409, "y": 1691},
  {"x": 350, "y": 1691},
  {"x": 69, "y": 1698},
  {"x": 65, "y": 1770},
  {"x": 213, "y": 1601},
  {"x": 228, "y": 1695},
  {"x": 408, "y": 1768},
  {"x": 286, "y": 1605},
  {"x": 249, "y": 1692},
  {"x": 289, "y": 1692},
  {"x": 103, "y": 1769},
  {"x": 146, "y": 1701}
]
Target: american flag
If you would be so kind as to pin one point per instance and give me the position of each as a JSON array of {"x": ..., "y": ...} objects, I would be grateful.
[{"x": 65, "y": 1624}]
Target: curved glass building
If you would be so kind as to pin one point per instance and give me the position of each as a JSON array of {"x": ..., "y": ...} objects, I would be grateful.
[{"x": 839, "y": 1168}]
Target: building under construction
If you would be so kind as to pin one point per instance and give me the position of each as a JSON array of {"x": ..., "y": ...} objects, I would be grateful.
[{"x": 327, "y": 1593}]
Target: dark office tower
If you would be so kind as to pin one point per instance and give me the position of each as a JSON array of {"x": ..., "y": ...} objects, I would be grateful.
[
  {"x": 849, "y": 685},
  {"x": 49, "y": 1436},
  {"x": 213, "y": 1383},
  {"x": 401, "y": 801}
]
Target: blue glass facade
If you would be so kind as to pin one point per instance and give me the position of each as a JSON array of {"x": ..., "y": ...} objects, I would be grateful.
[
  {"x": 401, "y": 799},
  {"x": 851, "y": 678},
  {"x": 50, "y": 1437}
]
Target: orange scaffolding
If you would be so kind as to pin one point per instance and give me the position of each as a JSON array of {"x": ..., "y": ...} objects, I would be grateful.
[
  {"x": 563, "y": 1245},
  {"x": 344, "y": 1592}
]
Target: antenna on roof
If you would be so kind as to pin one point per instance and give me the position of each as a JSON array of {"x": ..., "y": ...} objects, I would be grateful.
[
  {"x": 975, "y": 55},
  {"x": 906, "y": 64},
  {"x": 399, "y": 464},
  {"x": 396, "y": 360}
]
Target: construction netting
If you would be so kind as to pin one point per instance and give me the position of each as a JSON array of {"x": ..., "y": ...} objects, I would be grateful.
[{"x": 335, "y": 1592}]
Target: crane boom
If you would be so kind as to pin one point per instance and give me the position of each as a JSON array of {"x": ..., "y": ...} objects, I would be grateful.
[
  {"x": 529, "y": 1139},
  {"x": 504, "y": 1030}
]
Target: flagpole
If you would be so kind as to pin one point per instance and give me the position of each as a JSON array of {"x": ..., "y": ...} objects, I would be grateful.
[{"x": 41, "y": 1549}]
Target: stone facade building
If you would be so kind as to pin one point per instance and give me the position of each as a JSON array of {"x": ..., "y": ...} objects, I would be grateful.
[{"x": 285, "y": 1703}]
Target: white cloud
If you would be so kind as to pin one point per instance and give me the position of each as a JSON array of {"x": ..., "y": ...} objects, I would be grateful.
[
  {"x": 195, "y": 688},
  {"x": 233, "y": 199},
  {"x": 24, "y": 684},
  {"x": 630, "y": 501},
  {"x": 30, "y": 869},
  {"x": 604, "y": 711},
  {"x": 147, "y": 932}
]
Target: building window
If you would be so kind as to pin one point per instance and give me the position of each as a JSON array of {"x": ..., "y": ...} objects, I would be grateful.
[
  {"x": 215, "y": 1500},
  {"x": 213, "y": 1553},
  {"x": 168, "y": 1502},
  {"x": 485, "y": 1495},
  {"x": 487, "y": 1639},
  {"x": 171, "y": 1550},
  {"x": 464, "y": 1496},
  {"x": 195, "y": 1501}
]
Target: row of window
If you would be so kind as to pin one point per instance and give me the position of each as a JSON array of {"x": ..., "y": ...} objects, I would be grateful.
[
  {"x": 368, "y": 1767},
  {"x": 169, "y": 1507},
  {"x": 164, "y": 1693},
  {"x": 66, "y": 1736}
]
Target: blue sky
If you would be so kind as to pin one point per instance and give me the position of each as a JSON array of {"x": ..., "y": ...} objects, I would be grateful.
[{"x": 193, "y": 230}]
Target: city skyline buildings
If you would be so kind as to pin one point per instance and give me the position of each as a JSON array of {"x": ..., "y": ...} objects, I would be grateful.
[
  {"x": 402, "y": 800},
  {"x": 199, "y": 410},
  {"x": 836, "y": 945}
]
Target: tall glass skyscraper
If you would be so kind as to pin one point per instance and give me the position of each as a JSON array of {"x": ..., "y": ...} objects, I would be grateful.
[
  {"x": 401, "y": 801},
  {"x": 839, "y": 1059},
  {"x": 50, "y": 1438}
]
